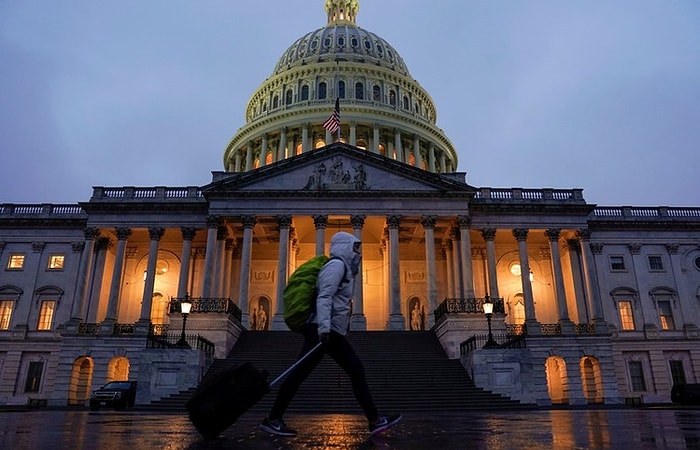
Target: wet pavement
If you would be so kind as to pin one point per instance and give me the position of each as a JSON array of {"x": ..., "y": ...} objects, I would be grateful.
[{"x": 624, "y": 428}]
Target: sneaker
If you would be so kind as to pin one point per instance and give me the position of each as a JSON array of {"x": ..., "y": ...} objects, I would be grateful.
[
  {"x": 278, "y": 427},
  {"x": 384, "y": 423}
]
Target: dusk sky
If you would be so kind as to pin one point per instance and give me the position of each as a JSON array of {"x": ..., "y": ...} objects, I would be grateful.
[{"x": 602, "y": 95}]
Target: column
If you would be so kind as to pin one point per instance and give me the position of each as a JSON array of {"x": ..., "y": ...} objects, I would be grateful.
[
  {"x": 358, "y": 321},
  {"x": 353, "y": 133},
  {"x": 284, "y": 223},
  {"x": 328, "y": 138},
  {"x": 375, "y": 139},
  {"x": 449, "y": 270},
  {"x": 531, "y": 324},
  {"x": 246, "y": 255},
  {"x": 305, "y": 147},
  {"x": 283, "y": 144},
  {"x": 210, "y": 255},
  {"x": 464, "y": 223},
  {"x": 396, "y": 318},
  {"x": 431, "y": 157},
  {"x": 229, "y": 246},
  {"x": 116, "y": 283},
  {"x": 397, "y": 145},
  {"x": 489, "y": 235},
  {"x": 263, "y": 151},
  {"x": 574, "y": 247},
  {"x": 249, "y": 156},
  {"x": 188, "y": 234},
  {"x": 567, "y": 326},
  {"x": 320, "y": 222},
  {"x": 144, "y": 323},
  {"x": 428, "y": 223},
  {"x": 443, "y": 163},
  {"x": 238, "y": 160},
  {"x": 688, "y": 319},
  {"x": 218, "y": 277},
  {"x": 82, "y": 285},
  {"x": 416, "y": 151},
  {"x": 96, "y": 281},
  {"x": 596, "y": 306},
  {"x": 456, "y": 263}
]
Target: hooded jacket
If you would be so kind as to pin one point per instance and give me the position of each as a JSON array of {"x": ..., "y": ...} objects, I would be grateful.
[{"x": 336, "y": 284}]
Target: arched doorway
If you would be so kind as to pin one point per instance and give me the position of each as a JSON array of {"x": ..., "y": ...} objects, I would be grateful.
[
  {"x": 80, "y": 381},
  {"x": 592, "y": 379},
  {"x": 118, "y": 369},
  {"x": 557, "y": 381}
]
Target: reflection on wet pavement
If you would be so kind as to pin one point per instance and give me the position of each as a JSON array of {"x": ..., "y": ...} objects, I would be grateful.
[{"x": 629, "y": 428}]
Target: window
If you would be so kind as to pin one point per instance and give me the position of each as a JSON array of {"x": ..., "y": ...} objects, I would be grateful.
[
  {"x": 322, "y": 88},
  {"x": 655, "y": 263},
  {"x": 341, "y": 89},
  {"x": 56, "y": 262},
  {"x": 637, "y": 376},
  {"x": 34, "y": 376},
  {"x": 697, "y": 263},
  {"x": 304, "y": 92},
  {"x": 5, "y": 314},
  {"x": 16, "y": 261},
  {"x": 288, "y": 97},
  {"x": 359, "y": 91},
  {"x": 376, "y": 93},
  {"x": 392, "y": 97},
  {"x": 46, "y": 315},
  {"x": 617, "y": 263},
  {"x": 665, "y": 315},
  {"x": 677, "y": 372},
  {"x": 275, "y": 102},
  {"x": 626, "y": 315},
  {"x": 406, "y": 104}
]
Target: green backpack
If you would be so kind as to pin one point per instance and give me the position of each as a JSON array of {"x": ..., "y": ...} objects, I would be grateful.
[{"x": 300, "y": 293}]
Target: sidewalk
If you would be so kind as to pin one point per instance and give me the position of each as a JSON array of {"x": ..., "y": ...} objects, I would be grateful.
[{"x": 551, "y": 429}]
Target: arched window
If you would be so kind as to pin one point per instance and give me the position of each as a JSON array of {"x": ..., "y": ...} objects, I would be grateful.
[
  {"x": 322, "y": 90},
  {"x": 392, "y": 97},
  {"x": 406, "y": 104},
  {"x": 288, "y": 97},
  {"x": 304, "y": 92},
  {"x": 359, "y": 91},
  {"x": 275, "y": 102},
  {"x": 341, "y": 89},
  {"x": 376, "y": 93}
]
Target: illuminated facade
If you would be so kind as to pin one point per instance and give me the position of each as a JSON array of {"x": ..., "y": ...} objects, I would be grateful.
[{"x": 607, "y": 297}]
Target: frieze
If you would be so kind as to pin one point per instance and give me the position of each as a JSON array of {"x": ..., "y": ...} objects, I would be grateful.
[
  {"x": 414, "y": 276},
  {"x": 338, "y": 177}
]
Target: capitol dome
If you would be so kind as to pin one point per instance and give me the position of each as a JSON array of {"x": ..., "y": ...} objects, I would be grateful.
[{"x": 382, "y": 108}]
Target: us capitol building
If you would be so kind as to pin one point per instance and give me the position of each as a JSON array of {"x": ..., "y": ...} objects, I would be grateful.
[{"x": 605, "y": 298}]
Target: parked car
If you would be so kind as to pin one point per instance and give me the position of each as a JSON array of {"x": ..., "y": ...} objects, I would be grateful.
[
  {"x": 686, "y": 394},
  {"x": 115, "y": 394}
]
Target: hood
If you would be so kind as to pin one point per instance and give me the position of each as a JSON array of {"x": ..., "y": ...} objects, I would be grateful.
[{"x": 341, "y": 246}]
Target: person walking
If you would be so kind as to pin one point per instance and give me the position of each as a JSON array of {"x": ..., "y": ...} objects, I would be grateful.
[{"x": 329, "y": 325}]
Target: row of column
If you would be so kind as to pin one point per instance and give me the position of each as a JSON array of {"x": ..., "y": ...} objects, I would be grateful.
[
  {"x": 244, "y": 159},
  {"x": 459, "y": 270}
]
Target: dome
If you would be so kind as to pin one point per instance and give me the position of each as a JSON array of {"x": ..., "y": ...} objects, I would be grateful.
[
  {"x": 382, "y": 109},
  {"x": 341, "y": 42}
]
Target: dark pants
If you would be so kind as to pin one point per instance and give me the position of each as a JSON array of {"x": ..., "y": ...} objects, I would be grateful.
[{"x": 342, "y": 352}]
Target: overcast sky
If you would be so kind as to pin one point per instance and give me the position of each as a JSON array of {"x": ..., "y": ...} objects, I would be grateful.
[{"x": 592, "y": 94}]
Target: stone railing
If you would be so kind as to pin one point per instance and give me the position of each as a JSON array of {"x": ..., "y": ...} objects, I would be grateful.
[
  {"x": 631, "y": 213},
  {"x": 473, "y": 305},
  {"x": 159, "y": 193},
  {"x": 120, "y": 329},
  {"x": 487, "y": 194},
  {"x": 44, "y": 210}
]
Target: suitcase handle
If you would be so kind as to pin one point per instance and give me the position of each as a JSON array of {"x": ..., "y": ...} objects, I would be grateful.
[{"x": 294, "y": 366}]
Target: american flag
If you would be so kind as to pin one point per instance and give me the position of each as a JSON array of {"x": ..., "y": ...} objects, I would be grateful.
[{"x": 332, "y": 124}]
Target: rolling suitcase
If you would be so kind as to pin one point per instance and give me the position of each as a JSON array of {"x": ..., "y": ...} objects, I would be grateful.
[{"x": 226, "y": 395}]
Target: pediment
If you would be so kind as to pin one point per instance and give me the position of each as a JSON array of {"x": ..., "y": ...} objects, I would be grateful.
[{"x": 337, "y": 168}]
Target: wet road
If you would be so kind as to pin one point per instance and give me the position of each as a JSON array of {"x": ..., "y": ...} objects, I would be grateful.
[{"x": 629, "y": 429}]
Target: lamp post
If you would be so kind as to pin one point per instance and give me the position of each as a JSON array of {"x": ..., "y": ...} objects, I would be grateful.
[
  {"x": 488, "y": 312},
  {"x": 185, "y": 308}
]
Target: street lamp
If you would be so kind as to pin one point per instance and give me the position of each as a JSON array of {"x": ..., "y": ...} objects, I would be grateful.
[
  {"x": 488, "y": 311},
  {"x": 185, "y": 308}
]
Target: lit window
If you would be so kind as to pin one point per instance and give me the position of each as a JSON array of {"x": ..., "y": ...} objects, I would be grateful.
[
  {"x": 617, "y": 263},
  {"x": 626, "y": 316},
  {"x": 16, "y": 261},
  {"x": 46, "y": 315},
  {"x": 677, "y": 371},
  {"x": 519, "y": 311},
  {"x": 637, "y": 381},
  {"x": 34, "y": 376},
  {"x": 665, "y": 315},
  {"x": 5, "y": 314},
  {"x": 655, "y": 263},
  {"x": 56, "y": 262}
]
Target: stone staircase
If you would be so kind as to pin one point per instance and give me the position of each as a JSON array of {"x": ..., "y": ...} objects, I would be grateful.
[{"x": 406, "y": 371}]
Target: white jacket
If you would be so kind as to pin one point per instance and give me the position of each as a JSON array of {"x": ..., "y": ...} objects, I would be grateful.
[{"x": 336, "y": 284}]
